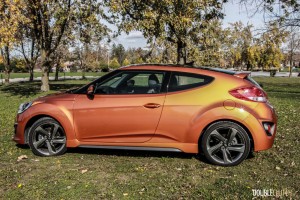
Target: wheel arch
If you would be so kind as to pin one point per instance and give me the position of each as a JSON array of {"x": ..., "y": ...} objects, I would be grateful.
[
  {"x": 226, "y": 120},
  {"x": 32, "y": 120}
]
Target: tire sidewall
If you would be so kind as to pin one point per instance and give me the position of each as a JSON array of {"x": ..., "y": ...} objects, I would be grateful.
[
  {"x": 42, "y": 121},
  {"x": 225, "y": 124}
]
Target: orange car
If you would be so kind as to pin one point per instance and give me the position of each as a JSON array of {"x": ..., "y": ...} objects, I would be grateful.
[{"x": 219, "y": 113}]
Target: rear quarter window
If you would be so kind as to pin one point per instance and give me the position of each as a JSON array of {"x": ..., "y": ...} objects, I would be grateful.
[{"x": 183, "y": 81}]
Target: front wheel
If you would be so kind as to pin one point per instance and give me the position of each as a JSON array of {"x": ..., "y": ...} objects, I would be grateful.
[
  {"x": 47, "y": 138},
  {"x": 225, "y": 143}
]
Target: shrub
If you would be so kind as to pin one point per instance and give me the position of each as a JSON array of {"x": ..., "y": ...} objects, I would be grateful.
[
  {"x": 114, "y": 64},
  {"x": 272, "y": 72}
]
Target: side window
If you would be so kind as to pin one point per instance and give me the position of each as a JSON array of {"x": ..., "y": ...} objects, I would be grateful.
[
  {"x": 183, "y": 81},
  {"x": 132, "y": 82}
]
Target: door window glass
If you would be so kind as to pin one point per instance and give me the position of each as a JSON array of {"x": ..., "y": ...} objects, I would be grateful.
[{"x": 132, "y": 82}]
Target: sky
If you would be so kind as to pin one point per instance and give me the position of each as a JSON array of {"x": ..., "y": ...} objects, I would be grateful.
[{"x": 233, "y": 12}]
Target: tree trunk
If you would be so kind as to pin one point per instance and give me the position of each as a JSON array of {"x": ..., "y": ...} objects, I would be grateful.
[
  {"x": 291, "y": 66},
  {"x": 181, "y": 56},
  {"x": 249, "y": 66},
  {"x": 45, "y": 71},
  {"x": 83, "y": 73},
  {"x": 31, "y": 75},
  {"x": 6, "y": 77},
  {"x": 6, "y": 58},
  {"x": 56, "y": 72}
]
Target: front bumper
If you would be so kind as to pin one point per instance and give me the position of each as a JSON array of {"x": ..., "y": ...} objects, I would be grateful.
[{"x": 19, "y": 128}]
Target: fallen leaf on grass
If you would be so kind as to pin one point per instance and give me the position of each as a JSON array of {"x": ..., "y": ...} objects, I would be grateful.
[
  {"x": 22, "y": 157},
  {"x": 84, "y": 171}
]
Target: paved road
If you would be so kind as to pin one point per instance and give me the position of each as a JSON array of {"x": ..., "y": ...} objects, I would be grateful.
[
  {"x": 253, "y": 74},
  {"x": 278, "y": 74}
]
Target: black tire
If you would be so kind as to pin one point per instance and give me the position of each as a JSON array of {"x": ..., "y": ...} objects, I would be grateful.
[
  {"x": 225, "y": 143},
  {"x": 47, "y": 138}
]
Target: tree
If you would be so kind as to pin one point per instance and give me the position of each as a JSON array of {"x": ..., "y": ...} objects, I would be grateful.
[
  {"x": 239, "y": 43},
  {"x": 254, "y": 55},
  {"x": 286, "y": 12},
  {"x": 10, "y": 17},
  {"x": 28, "y": 48},
  {"x": 58, "y": 58},
  {"x": 114, "y": 64},
  {"x": 293, "y": 45},
  {"x": 126, "y": 62},
  {"x": 53, "y": 20},
  {"x": 118, "y": 52},
  {"x": 271, "y": 40},
  {"x": 82, "y": 53},
  {"x": 177, "y": 22},
  {"x": 206, "y": 52}
]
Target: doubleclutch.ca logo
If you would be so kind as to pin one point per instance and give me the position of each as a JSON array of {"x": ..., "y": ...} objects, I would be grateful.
[{"x": 271, "y": 193}]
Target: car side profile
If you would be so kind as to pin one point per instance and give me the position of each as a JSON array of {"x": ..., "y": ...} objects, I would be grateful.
[{"x": 222, "y": 114}]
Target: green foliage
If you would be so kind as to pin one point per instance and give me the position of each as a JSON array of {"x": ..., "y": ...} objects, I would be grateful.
[
  {"x": 118, "y": 51},
  {"x": 272, "y": 73},
  {"x": 271, "y": 54},
  {"x": 56, "y": 22},
  {"x": 139, "y": 61},
  {"x": 114, "y": 64},
  {"x": 126, "y": 62},
  {"x": 178, "y": 22},
  {"x": 242, "y": 50}
]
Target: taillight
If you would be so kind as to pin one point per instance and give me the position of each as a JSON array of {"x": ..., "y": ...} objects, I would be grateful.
[{"x": 249, "y": 94}]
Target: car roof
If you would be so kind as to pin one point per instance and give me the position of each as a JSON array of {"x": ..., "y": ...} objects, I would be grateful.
[{"x": 176, "y": 67}]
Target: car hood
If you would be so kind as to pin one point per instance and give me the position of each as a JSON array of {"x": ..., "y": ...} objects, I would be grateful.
[{"x": 56, "y": 97}]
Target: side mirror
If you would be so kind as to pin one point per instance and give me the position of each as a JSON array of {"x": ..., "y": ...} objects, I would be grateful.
[{"x": 90, "y": 91}]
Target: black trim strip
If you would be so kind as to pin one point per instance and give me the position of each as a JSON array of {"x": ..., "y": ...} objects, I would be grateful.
[{"x": 132, "y": 148}]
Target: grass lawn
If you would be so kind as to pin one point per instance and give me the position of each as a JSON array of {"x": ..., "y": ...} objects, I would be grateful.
[
  {"x": 107, "y": 174},
  {"x": 61, "y": 74}
]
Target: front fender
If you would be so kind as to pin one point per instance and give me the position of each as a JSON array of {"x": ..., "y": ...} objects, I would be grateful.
[{"x": 61, "y": 112}]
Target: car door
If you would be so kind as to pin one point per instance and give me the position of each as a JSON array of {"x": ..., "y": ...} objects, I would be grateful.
[
  {"x": 188, "y": 93},
  {"x": 123, "y": 108}
]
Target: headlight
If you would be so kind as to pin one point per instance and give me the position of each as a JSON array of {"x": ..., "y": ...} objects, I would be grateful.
[{"x": 24, "y": 106}]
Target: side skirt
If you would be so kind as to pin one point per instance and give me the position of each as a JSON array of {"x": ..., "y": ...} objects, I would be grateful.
[{"x": 132, "y": 148}]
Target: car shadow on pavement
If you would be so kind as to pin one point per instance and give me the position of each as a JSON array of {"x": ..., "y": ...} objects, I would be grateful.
[
  {"x": 136, "y": 153},
  {"x": 27, "y": 89},
  {"x": 130, "y": 153}
]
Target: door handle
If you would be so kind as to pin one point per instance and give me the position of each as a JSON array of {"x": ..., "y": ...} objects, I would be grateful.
[{"x": 152, "y": 105}]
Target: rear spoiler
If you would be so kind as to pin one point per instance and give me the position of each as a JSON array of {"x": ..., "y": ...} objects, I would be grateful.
[{"x": 242, "y": 74}]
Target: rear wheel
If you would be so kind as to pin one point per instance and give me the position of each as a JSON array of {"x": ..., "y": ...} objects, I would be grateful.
[
  {"x": 47, "y": 138},
  {"x": 225, "y": 143}
]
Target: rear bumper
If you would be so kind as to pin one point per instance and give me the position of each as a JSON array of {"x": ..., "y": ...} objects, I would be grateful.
[{"x": 261, "y": 139}]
